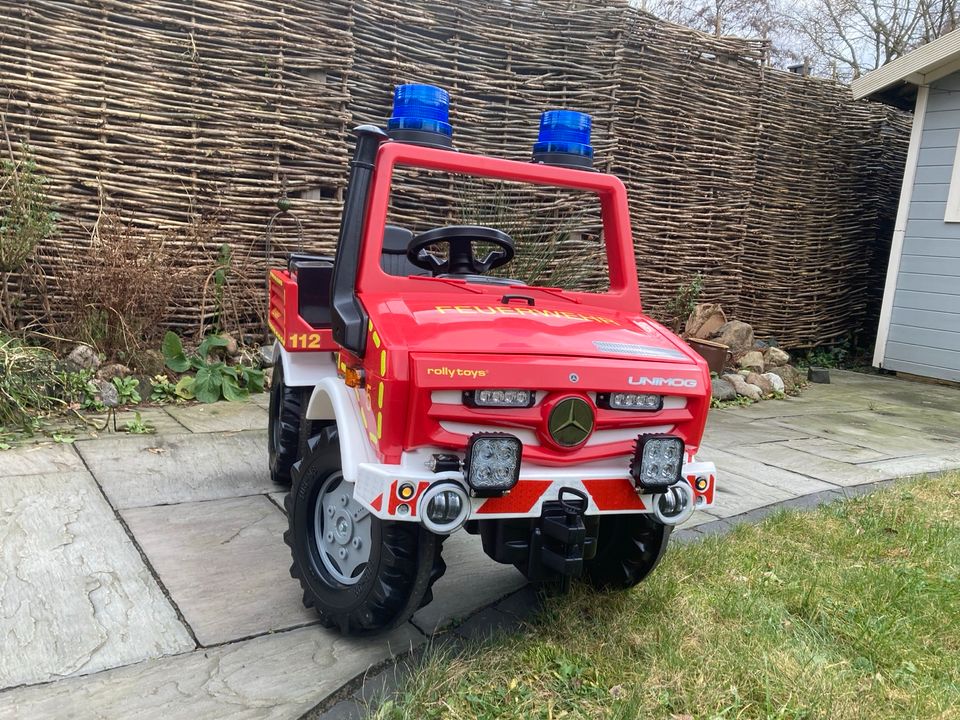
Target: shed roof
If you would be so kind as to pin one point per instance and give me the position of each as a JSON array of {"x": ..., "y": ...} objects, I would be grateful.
[{"x": 896, "y": 82}]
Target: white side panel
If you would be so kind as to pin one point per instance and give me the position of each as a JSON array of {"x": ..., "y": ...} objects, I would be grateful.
[
  {"x": 332, "y": 400},
  {"x": 900, "y": 229},
  {"x": 304, "y": 368}
]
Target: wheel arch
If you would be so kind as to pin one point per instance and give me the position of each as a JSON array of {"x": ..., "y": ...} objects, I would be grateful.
[
  {"x": 332, "y": 400},
  {"x": 329, "y": 400},
  {"x": 304, "y": 369}
]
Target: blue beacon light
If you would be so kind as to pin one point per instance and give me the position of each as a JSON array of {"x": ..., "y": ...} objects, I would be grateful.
[
  {"x": 564, "y": 139},
  {"x": 421, "y": 115}
]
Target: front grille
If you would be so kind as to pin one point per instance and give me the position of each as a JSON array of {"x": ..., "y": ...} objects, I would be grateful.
[{"x": 450, "y": 423}]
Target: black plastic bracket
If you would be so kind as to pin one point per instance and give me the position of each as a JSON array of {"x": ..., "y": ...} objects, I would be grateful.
[
  {"x": 561, "y": 541},
  {"x": 347, "y": 315}
]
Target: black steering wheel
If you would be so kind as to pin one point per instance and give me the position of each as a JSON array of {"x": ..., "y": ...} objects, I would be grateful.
[{"x": 460, "y": 258}]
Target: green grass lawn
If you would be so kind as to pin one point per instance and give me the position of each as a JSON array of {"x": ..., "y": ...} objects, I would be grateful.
[{"x": 851, "y": 611}]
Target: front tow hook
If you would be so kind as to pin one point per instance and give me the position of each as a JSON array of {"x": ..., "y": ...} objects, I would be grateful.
[{"x": 676, "y": 505}]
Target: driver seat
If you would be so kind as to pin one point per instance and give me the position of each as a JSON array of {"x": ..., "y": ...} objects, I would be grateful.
[{"x": 393, "y": 258}]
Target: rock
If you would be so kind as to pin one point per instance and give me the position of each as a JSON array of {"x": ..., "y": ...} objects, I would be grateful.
[
  {"x": 83, "y": 357},
  {"x": 818, "y": 375},
  {"x": 766, "y": 387},
  {"x": 114, "y": 370},
  {"x": 774, "y": 356},
  {"x": 108, "y": 394},
  {"x": 743, "y": 387},
  {"x": 233, "y": 347},
  {"x": 752, "y": 360},
  {"x": 704, "y": 321},
  {"x": 736, "y": 335},
  {"x": 144, "y": 387},
  {"x": 776, "y": 381},
  {"x": 721, "y": 389},
  {"x": 788, "y": 374},
  {"x": 266, "y": 356},
  {"x": 151, "y": 362}
]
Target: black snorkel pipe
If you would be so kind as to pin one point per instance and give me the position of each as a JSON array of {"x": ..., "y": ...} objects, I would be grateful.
[{"x": 348, "y": 318}]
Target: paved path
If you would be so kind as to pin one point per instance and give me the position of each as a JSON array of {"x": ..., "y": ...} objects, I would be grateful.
[{"x": 145, "y": 576}]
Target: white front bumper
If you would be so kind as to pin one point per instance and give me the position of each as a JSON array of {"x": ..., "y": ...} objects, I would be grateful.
[{"x": 610, "y": 488}]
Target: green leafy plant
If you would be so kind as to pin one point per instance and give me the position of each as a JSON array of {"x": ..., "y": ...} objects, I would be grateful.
[
  {"x": 162, "y": 390},
  {"x": 138, "y": 427},
  {"x": 832, "y": 357},
  {"x": 738, "y": 401},
  {"x": 684, "y": 300},
  {"x": 220, "y": 276},
  {"x": 26, "y": 219},
  {"x": 213, "y": 379},
  {"x": 79, "y": 389},
  {"x": 128, "y": 388},
  {"x": 30, "y": 384}
]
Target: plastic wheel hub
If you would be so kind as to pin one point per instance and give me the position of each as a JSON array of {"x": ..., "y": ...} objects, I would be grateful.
[{"x": 341, "y": 529}]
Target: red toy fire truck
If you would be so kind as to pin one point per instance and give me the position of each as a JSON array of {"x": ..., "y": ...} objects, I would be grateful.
[{"x": 418, "y": 390}]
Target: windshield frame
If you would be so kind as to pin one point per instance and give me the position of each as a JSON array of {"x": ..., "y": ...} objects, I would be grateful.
[{"x": 623, "y": 292}]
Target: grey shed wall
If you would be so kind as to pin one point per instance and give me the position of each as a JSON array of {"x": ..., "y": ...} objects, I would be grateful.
[{"x": 924, "y": 335}]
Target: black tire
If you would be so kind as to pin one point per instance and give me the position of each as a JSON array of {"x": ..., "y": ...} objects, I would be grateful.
[
  {"x": 629, "y": 547},
  {"x": 403, "y": 563},
  {"x": 284, "y": 429}
]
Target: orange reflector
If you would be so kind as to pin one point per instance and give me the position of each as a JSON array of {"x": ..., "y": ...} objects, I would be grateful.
[
  {"x": 406, "y": 491},
  {"x": 353, "y": 377},
  {"x": 702, "y": 483}
]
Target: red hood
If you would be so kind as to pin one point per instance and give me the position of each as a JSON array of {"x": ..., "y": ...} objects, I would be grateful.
[{"x": 485, "y": 324}]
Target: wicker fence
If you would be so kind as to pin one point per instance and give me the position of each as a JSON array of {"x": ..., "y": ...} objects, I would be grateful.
[{"x": 780, "y": 189}]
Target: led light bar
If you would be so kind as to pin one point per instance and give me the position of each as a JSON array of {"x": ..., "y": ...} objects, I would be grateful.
[
  {"x": 657, "y": 462},
  {"x": 499, "y": 398},
  {"x": 492, "y": 466},
  {"x": 630, "y": 401}
]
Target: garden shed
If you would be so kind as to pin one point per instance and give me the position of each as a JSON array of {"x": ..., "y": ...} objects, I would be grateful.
[{"x": 919, "y": 330}]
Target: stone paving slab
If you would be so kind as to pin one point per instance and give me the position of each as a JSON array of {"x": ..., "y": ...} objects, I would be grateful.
[
  {"x": 917, "y": 395},
  {"x": 277, "y": 676},
  {"x": 803, "y": 463},
  {"x": 143, "y": 470},
  {"x": 278, "y": 498},
  {"x": 225, "y": 565},
  {"x": 724, "y": 430},
  {"x": 156, "y": 418},
  {"x": 699, "y": 517},
  {"x": 884, "y": 437},
  {"x": 39, "y": 460},
  {"x": 816, "y": 399},
  {"x": 836, "y": 450},
  {"x": 75, "y": 595},
  {"x": 736, "y": 495},
  {"x": 929, "y": 420},
  {"x": 472, "y": 581},
  {"x": 898, "y": 467},
  {"x": 790, "y": 482},
  {"x": 220, "y": 417}
]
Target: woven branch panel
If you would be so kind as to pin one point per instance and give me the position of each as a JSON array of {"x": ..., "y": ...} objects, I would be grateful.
[{"x": 781, "y": 190}]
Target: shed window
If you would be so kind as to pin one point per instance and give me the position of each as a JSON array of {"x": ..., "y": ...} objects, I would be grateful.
[{"x": 953, "y": 198}]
